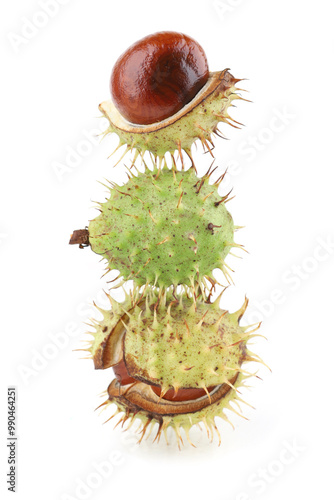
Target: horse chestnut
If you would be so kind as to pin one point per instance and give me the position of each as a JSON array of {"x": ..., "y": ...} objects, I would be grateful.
[{"x": 157, "y": 76}]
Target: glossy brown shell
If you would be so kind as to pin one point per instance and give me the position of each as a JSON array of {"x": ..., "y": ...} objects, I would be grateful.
[{"x": 157, "y": 76}]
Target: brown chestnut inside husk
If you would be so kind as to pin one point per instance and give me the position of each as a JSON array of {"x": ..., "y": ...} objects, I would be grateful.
[{"x": 157, "y": 76}]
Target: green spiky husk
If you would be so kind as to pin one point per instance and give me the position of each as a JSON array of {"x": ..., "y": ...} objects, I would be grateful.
[
  {"x": 197, "y": 120},
  {"x": 164, "y": 228},
  {"x": 180, "y": 343},
  {"x": 167, "y": 334}
]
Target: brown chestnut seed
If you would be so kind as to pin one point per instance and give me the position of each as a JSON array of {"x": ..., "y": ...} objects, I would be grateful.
[{"x": 155, "y": 77}]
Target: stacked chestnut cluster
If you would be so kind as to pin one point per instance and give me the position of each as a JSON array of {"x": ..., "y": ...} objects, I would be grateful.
[{"x": 176, "y": 355}]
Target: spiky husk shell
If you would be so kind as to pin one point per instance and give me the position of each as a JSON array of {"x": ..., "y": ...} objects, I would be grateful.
[
  {"x": 198, "y": 119},
  {"x": 170, "y": 335},
  {"x": 164, "y": 228},
  {"x": 185, "y": 344}
]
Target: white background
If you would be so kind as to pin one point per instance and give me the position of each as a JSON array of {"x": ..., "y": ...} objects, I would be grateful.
[{"x": 281, "y": 169}]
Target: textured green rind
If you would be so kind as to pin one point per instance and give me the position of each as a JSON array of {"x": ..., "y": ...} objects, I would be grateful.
[
  {"x": 156, "y": 230},
  {"x": 197, "y": 120},
  {"x": 184, "y": 346}
]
